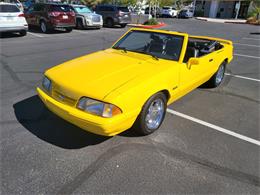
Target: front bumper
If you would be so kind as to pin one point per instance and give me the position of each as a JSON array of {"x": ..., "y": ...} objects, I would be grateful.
[
  {"x": 91, "y": 24},
  {"x": 13, "y": 29},
  {"x": 86, "y": 121}
]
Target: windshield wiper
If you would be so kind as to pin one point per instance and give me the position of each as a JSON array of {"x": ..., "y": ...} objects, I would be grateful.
[
  {"x": 147, "y": 53},
  {"x": 121, "y": 48}
]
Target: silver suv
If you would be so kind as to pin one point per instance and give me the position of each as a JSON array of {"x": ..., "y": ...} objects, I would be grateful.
[
  {"x": 86, "y": 18},
  {"x": 114, "y": 15}
]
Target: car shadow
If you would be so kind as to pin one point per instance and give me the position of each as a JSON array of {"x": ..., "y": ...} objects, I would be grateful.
[
  {"x": 34, "y": 29},
  {"x": 37, "y": 119},
  {"x": 4, "y": 35}
]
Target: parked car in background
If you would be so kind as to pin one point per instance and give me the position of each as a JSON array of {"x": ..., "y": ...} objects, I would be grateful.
[
  {"x": 168, "y": 11},
  {"x": 153, "y": 11},
  {"x": 139, "y": 11},
  {"x": 114, "y": 15},
  {"x": 49, "y": 16},
  {"x": 86, "y": 18},
  {"x": 186, "y": 13},
  {"x": 12, "y": 19}
]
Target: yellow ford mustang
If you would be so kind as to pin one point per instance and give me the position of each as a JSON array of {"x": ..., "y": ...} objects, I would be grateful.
[{"x": 131, "y": 83}]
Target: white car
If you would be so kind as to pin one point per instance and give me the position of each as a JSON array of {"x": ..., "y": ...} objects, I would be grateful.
[
  {"x": 168, "y": 11},
  {"x": 12, "y": 19}
]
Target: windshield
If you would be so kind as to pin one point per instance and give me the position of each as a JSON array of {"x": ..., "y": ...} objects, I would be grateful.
[
  {"x": 61, "y": 8},
  {"x": 123, "y": 9},
  {"x": 158, "y": 45},
  {"x": 82, "y": 10}
]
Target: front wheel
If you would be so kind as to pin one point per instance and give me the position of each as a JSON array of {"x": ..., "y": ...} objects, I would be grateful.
[
  {"x": 152, "y": 114},
  {"x": 218, "y": 77}
]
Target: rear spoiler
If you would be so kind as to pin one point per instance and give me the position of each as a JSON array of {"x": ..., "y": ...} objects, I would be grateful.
[{"x": 213, "y": 39}]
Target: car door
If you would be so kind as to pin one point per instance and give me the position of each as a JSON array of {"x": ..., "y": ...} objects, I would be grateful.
[{"x": 193, "y": 75}]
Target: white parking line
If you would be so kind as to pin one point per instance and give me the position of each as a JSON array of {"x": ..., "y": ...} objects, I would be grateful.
[
  {"x": 217, "y": 128},
  {"x": 80, "y": 31},
  {"x": 247, "y": 56},
  {"x": 36, "y": 35},
  {"x": 242, "y": 77},
  {"x": 246, "y": 45},
  {"x": 251, "y": 39}
]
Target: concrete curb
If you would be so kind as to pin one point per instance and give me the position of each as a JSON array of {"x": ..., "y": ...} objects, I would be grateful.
[{"x": 221, "y": 20}]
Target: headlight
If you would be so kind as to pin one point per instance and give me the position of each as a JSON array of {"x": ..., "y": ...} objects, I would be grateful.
[
  {"x": 98, "y": 108},
  {"x": 46, "y": 83},
  {"x": 88, "y": 17}
]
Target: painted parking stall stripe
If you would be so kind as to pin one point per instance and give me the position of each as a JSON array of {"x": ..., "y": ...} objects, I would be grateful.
[
  {"x": 215, "y": 127},
  {"x": 248, "y": 45},
  {"x": 36, "y": 35},
  {"x": 242, "y": 77},
  {"x": 246, "y": 56},
  {"x": 251, "y": 39}
]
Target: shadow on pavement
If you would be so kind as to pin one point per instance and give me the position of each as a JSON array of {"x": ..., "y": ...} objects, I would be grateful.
[
  {"x": 9, "y": 35},
  {"x": 37, "y": 119}
]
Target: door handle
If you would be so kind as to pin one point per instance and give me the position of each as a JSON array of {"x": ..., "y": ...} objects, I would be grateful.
[{"x": 210, "y": 60}]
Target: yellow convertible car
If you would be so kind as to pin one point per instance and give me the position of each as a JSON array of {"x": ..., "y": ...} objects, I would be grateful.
[{"x": 131, "y": 83}]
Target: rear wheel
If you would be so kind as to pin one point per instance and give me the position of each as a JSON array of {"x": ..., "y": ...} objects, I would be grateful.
[
  {"x": 152, "y": 114},
  {"x": 43, "y": 27},
  {"x": 110, "y": 22},
  {"x": 218, "y": 77},
  {"x": 23, "y": 32}
]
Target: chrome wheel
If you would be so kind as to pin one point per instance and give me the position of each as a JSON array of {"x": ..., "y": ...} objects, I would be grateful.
[
  {"x": 155, "y": 114},
  {"x": 220, "y": 74}
]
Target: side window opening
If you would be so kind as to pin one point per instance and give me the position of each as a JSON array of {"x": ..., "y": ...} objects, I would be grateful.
[{"x": 200, "y": 47}]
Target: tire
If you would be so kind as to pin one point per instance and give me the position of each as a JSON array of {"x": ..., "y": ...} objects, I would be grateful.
[
  {"x": 43, "y": 27},
  {"x": 145, "y": 123},
  {"x": 79, "y": 24},
  {"x": 23, "y": 32},
  {"x": 218, "y": 77},
  {"x": 110, "y": 22},
  {"x": 68, "y": 29},
  {"x": 123, "y": 25}
]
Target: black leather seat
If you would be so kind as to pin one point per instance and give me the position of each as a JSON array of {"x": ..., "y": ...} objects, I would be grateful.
[{"x": 190, "y": 53}]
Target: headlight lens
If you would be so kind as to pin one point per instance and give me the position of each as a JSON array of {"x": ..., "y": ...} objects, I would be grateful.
[
  {"x": 98, "y": 108},
  {"x": 46, "y": 83}
]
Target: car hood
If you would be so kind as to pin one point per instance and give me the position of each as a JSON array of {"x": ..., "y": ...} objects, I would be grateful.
[{"x": 98, "y": 74}]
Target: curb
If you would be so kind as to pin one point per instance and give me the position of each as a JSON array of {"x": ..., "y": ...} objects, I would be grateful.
[
  {"x": 220, "y": 21},
  {"x": 148, "y": 26}
]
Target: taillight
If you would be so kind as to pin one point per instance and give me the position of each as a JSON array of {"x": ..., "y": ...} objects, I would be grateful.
[
  {"x": 72, "y": 14},
  {"x": 53, "y": 14},
  {"x": 120, "y": 13},
  {"x": 21, "y": 15}
]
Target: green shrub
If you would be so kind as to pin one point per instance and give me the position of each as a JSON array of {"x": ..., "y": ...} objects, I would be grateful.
[{"x": 151, "y": 21}]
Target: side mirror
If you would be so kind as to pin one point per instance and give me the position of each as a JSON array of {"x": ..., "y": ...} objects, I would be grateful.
[{"x": 193, "y": 61}]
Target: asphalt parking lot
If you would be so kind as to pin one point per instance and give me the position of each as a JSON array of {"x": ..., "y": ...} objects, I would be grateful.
[{"x": 208, "y": 143}]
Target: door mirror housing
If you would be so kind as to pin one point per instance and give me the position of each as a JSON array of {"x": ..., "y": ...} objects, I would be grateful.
[{"x": 192, "y": 62}]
